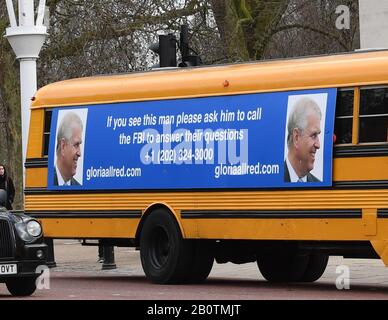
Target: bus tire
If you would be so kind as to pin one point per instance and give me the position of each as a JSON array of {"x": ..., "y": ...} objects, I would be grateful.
[
  {"x": 202, "y": 262},
  {"x": 283, "y": 266},
  {"x": 165, "y": 255},
  {"x": 316, "y": 266},
  {"x": 21, "y": 287}
]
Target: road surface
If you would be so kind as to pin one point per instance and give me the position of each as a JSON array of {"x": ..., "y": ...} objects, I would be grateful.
[{"x": 78, "y": 276}]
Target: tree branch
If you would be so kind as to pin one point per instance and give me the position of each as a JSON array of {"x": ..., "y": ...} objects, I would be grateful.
[
  {"x": 313, "y": 29},
  {"x": 108, "y": 32}
]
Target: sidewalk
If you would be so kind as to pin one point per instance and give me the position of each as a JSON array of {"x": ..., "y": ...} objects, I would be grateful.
[{"x": 71, "y": 256}]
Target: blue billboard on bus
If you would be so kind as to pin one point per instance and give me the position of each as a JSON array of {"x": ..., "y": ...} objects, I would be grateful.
[{"x": 263, "y": 140}]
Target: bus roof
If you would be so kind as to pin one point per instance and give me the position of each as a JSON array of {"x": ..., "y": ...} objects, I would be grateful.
[{"x": 344, "y": 70}]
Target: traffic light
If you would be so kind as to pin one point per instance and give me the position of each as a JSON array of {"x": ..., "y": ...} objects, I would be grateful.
[
  {"x": 166, "y": 49},
  {"x": 187, "y": 59},
  {"x": 190, "y": 61}
]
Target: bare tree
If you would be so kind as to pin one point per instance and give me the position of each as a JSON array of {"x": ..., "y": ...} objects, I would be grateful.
[
  {"x": 309, "y": 28},
  {"x": 10, "y": 124},
  {"x": 96, "y": 37},
  {"x": 246, "y": 26}
]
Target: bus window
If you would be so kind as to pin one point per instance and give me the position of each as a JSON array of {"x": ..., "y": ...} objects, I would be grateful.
[
  {"x": 344, "y": 116},
  {"x": 46, "y": 132},
  {"x": 373, "y": 115}
]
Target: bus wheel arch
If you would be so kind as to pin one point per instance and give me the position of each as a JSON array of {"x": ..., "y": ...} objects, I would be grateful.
[{"x": 147, "y": 213}]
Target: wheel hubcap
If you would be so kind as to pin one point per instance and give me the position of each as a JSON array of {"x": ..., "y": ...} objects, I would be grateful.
[{"x": 160, "y": 249}]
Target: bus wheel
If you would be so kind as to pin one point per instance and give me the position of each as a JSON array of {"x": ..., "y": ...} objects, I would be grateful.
[
  {"x": 316, "y": 266},
  {"x": 202, "y": 262},
  {"x": 23, "y": 286},
  {"x": 165, "y": 256},
  {"x": 283, "y": 266}
]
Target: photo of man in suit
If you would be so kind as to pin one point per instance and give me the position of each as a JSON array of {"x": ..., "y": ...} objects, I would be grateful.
[
  {"x": 303, "y": 131},
  {"x": 68, "y": 150}
]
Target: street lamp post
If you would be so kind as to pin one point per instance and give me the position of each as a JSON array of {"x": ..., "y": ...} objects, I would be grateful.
[{"x": 26, "y": 39}]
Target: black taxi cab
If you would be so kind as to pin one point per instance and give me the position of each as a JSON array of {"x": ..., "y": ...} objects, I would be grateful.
[{"x": 22, "y": 250}]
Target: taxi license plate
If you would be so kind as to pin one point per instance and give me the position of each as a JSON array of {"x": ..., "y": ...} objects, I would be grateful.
[{"x": 8, "y": 269}]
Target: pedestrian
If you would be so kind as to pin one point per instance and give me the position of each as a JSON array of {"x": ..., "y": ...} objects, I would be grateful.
[{"x": 6, "y": 184}]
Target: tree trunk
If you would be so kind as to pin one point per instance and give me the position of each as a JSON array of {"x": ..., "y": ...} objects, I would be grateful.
[
  {"x": 10, "y": 115},
  {"x": 246, "y": 26}
]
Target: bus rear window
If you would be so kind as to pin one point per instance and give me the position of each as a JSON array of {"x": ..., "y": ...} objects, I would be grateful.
[
  {"x": 373, "y": 115},
  {"x": 344, "y": 116}
]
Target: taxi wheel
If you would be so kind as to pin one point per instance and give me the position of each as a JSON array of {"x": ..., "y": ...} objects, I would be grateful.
[{"x": 23, "y": 286}]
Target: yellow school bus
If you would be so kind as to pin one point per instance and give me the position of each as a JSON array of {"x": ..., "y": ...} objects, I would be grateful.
[{"x": 189, "y": 165}]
